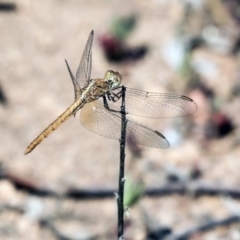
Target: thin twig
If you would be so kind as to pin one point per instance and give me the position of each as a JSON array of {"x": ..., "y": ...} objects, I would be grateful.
[
  {"x": 121, "y": 169},
  {"x": 48, "y": 224},
  {"x": 187, "y": 234},
  {"x": 165, "y": 233},
  {"x": 192, "y": 188}
]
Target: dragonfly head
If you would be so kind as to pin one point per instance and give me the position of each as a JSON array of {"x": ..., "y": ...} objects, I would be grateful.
[{"x": 113, "y": 78}]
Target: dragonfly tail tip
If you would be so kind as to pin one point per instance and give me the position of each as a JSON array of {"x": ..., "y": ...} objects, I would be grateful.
[{"x": 26, "y": 151}]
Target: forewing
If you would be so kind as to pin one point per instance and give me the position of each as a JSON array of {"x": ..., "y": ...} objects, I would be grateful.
[
  {"x": 155, "y": 105},
  {"x": 97, "y": 119},
  {"x": 84, "y": 69}
]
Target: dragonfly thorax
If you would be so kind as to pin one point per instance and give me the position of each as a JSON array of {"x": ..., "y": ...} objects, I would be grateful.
[{"x": 113, "y": 78}]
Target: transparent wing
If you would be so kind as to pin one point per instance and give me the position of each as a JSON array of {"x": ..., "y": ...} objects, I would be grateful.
[
  {"x": 77, "y": 89},
  {"x": 155, "y": 105},
  {"x": 84, "y": 69},
  {"x": 97, "y": 119}
]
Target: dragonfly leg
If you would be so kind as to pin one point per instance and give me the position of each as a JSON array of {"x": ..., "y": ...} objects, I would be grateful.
[
  {"x": 114, "y": 96},
  {"x": 107, "y": 107}
]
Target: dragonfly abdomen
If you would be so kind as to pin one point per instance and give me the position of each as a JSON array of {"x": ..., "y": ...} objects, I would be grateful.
[{"x": 54, "y": 125}]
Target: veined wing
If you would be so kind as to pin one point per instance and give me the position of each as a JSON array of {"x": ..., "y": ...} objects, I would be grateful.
[
  {"x": 155, "y": 105},
  {"x": 84, "y": 69},
  {"x": 97, "y": 119},
  {"x": 77, "y": 88}
]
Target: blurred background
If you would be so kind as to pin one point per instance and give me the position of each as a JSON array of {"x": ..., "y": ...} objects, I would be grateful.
[{"x": 188, "y": 47}]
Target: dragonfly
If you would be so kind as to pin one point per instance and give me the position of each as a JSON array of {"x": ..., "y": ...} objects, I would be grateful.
[{"x": 98, "y": 101}]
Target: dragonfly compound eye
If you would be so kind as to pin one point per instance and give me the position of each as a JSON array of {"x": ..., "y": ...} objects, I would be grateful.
[{"x": 113, "y": 78}]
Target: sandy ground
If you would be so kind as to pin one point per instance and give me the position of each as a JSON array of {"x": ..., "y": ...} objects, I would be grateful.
[{"x": 34, "y": 42}]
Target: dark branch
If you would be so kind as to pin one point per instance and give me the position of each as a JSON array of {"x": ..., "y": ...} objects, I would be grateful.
[
  {"x": 196, "y": 189},
  {"x": 121, "y": 180},
  {"x": 206, "y": 227}
]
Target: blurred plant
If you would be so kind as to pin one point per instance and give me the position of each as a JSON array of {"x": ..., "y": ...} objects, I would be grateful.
[
  {"x": 132, "y": 192},
  {"x": 216, "y": 123},
  {"x": 219, "y": 126},
  {"x": 122, "y": 27},
  {"x": 113, "y": 43},
  {"x": 186, "y": 68},
  {"x": 205, "y": 27}
]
